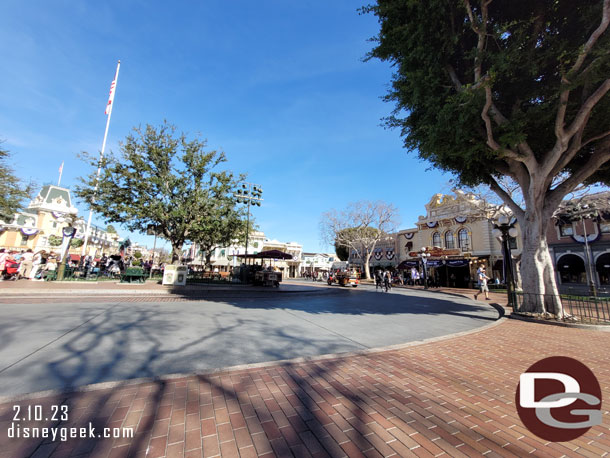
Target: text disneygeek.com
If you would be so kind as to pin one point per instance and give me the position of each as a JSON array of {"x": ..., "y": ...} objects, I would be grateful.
[{"x": 63, "y": 433}]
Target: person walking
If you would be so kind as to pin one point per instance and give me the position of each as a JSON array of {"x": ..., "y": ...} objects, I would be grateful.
[
  {"x": 387, "y": 280},
  {"x": 37, "y": 262},
  {"x": 482, "y": 280},
  {"x": 3, "y": 259},
  {"x": 378, "y": 280},
  {"x": 26, "y": 264}
]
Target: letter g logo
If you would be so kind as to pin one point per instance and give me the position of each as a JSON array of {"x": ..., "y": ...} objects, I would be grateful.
[{"x": 559, "y": 399}]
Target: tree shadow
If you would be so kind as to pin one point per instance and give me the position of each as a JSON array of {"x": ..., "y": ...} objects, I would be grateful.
[
  {"x": 298, "y": 406},
  {"x": 326, "y": 407}
]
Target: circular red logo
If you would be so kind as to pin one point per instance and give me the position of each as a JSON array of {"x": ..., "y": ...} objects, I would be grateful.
[{"x": 559, "y": 399}]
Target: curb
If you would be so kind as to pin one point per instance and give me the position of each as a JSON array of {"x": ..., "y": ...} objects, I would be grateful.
[
  {"x": 244, "y": 367},
  {"x": 160, "y": 293},
  {"x": 589, "y": 327}
]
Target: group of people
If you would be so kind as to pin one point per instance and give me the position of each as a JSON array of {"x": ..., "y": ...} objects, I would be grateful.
[
  {"x": 30, "y": 265},
  {"x": 316, "y": 275},
  {"x": 383, "y": 279},
  {"x": 26, "y": 264}
]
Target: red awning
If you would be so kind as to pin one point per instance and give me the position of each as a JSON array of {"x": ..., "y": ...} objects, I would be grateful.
[{"x": 75, "y": 257}]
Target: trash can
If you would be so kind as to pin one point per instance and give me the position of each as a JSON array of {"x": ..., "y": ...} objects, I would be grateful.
[{"x": 175, "y": 275}]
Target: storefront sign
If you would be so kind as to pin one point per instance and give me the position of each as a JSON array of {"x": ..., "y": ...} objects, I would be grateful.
[{"x": 437, "y": 253}]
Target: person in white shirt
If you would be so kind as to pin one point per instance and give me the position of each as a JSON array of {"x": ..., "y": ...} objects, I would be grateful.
[
  {"x": 37, "y": 263},
  {"x": 482, "y": 279},
  {"x": 25, "y": 267}
]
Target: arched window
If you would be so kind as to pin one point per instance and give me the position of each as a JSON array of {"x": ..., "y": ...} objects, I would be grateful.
[
  {"x": 463, "y": 239},
  {"x": 602, "y": 265},
  {"x": 571, "y": 269},
  {"x": 449, "y": 240},
  {"x": 436, "y": 239}
]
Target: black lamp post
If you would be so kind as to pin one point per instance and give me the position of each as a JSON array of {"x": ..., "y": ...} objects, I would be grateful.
[
  {"x": 250, "y": 194},
  {"x": 582, "y": 212},
  {"x": 504, "y": 229},
  {"x": 424, "y": 255},
  {"x": 68, "y": 233}
]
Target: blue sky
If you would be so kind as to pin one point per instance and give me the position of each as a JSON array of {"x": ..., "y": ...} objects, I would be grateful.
[{"x": 279, "y": 86}]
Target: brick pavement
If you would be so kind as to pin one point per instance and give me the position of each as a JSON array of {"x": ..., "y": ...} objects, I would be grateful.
[{"x": 453, "y": 397}]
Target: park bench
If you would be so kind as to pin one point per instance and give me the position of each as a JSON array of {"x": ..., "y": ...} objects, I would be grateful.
[{"x": 132, "y": 273}]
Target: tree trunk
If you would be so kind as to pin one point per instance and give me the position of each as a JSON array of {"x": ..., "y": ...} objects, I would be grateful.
[
  {"x": 208, "y": 260},
  {"x": 367, "y": 259},
  {"x": 540, "y": 293},
  {"x": 176, "y": 252}
]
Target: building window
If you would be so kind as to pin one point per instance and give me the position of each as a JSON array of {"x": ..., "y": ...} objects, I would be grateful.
[
  {"x": 54, "y": 224},
  {"x": 512, "y": 243},
  {"x": 604, "y": 227},
  {"x": 566, "y": 230},
  {"x": 463, "y": 240},
  {"x": 24, "y": 240},
  {"x": 436, "y": 239},
  {"x": 449, "y": 240}
]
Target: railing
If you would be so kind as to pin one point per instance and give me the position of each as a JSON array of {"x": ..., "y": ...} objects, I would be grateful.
[{"x": 587, "y": 309}]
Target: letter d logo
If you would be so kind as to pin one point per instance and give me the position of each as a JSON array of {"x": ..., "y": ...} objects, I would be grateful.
[
  {"x": 528, "y": 387},
  {"x": 558, "y": 399}
]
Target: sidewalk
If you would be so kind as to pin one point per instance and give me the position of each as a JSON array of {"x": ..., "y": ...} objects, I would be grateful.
[
  {"x": 27, "y": 288},
  {"x": 451, "y": 397}
]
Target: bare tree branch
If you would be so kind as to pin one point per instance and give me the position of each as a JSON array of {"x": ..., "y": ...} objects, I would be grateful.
[
  {"x": 359, "y": 227},
  {"x": 507, "y": 199},
  {"x": 597, "y": 159}
]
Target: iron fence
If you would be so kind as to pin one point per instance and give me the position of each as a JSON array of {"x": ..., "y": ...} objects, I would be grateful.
[{"x": 588, "y": 309}]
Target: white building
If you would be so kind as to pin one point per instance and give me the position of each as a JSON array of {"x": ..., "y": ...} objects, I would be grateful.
[
  {"x": 224, "y": 258},
  {"x": 312, "y": 262}
]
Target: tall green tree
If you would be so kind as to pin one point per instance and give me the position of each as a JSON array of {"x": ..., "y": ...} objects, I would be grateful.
[
  {"x": 162, "y": 179},
  {"x": 493, "y": 88},
  {"x": 341, "y": 251},
  {"x": 13, "y": 192},
  {"x": 223, "y": 226}
]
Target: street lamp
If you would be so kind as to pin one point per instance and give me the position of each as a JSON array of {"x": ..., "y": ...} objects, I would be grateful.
[
  {"x": 424, "y": 254},
  {"x": 582, "y": 212},
  {"x": 504, "y": 230},
  {"x": 251, "y": 194},
  {"x": 68, "y": 233}
]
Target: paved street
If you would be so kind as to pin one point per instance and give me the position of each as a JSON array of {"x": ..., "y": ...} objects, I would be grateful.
[
  {"x": 55, "y": 343},
  {"x": 454, "y": 397}
]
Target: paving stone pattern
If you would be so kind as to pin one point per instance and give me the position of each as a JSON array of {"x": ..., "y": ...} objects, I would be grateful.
[{"x": 454, "y": 397}]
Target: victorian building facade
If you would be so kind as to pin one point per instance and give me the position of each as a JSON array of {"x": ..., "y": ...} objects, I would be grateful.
[
  {"x": 456, "y": 232},
  {"x": 225, "y": 258},
  {"x": 40, "y": 226},
  {"x": 581, "y": 250},
  {"x": 317, "y": 262}
]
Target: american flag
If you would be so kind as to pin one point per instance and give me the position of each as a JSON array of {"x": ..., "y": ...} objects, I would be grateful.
[{"x": 110, "y": 98}]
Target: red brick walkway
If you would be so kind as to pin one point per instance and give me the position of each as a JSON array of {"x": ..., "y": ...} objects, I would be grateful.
[{"x": 454, "y": 398}]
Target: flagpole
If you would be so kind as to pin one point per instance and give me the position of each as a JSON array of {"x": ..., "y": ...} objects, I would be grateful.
[
  {"x": 61, "y": 171},
  {"x": 99, "y": 165}
]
